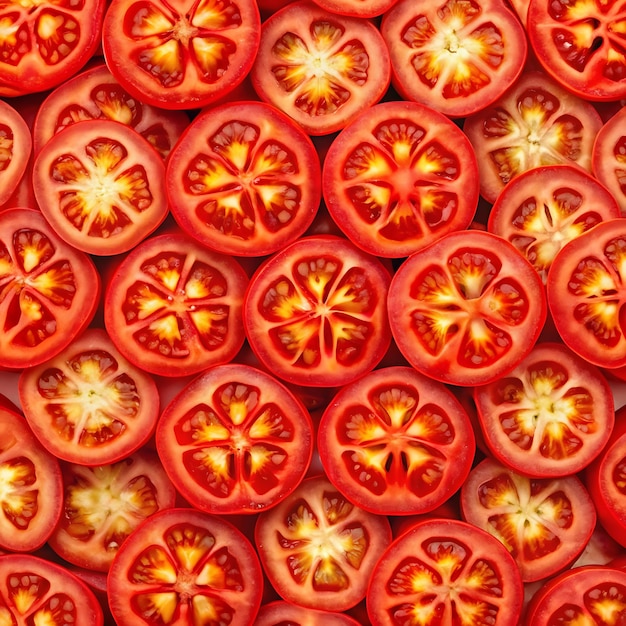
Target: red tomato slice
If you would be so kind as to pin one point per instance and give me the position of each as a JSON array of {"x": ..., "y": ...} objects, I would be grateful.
[
  {"x": 182, "y": 566},
  {"x": 544, "y": 523},
  {"x": 320, "y": 68},
  {"x": 281, "y": 613},
  {"x": 398, "y": 177},
  {"x": 536, "y": 122},
  {"x": 456, "y": 56},
  {"x": 445, "y": 572},
  {"x": 180, "y": 54},
  {"x": 543, "y": 208},
  {"x": 315, "y": 313},
  {"x": 235, "y": 440},
  {"x": 581, "y": 45},
  {"x": 466, "y": 309},
  {"x": 88, "y": 404},
  {"x": 244, "y": 179},
  {"x": 356, "y": 8},
  {"x": 16, "y": 143},
  {"x": 318, "y": 549},
  {"x": 49, "y": 291},
  {"x": 586, "y": 294},
  {"x": 173, "y": 308},
  {"x": 95, "y": 94},
  {"x": 550, "y": 416},
  {"x": 395, "y": 442}
]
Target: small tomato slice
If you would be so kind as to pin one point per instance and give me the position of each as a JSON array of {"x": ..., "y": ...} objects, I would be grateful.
[
  {"x": 180, "y": 54},
  {"x": 444, "y": 571},
  {"x": 244, "y": 179},
  {"x": 395, "y": 442},
  {"x": 235, "y": 440},
  {"x": 320, "y": 68},
  {"x": 318, "y": 549},
  {"x": 466, "y": 309},
  {"x": 49, "y": 291},
  {"x": 15, "y": 149},
  {"x": 543, "y": 208},
  {"x": 88, "y": 404},
  {"x": 456, "y": 56},
  {"x": 550, "y": 416},
  {"x": 174, "y": 308},
  {"x": 398, "y": 177},
  {"x": 536, "y": 122},
  {"x": 185, "y": 567},
  {"x": 315, "y": 313},
  {"x": 281, "y": 613},
  {"x": 544, "y": 523}
]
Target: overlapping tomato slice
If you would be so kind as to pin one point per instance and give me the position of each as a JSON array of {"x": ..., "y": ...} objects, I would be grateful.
[{"x": 15, "y": 149}]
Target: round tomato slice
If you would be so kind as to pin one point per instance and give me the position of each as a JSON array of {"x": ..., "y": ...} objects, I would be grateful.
[
  {"x": 95, "y": 94},
  {"x": 536, "y": 122},
  {"x": 281, "y": 613},
  {"x": 550, "y": 416},
  {"x": 49, "y": 291},
  {"x": 315, "y": 313},
  {"x": 88, "y": 404},
  {"x": 587, "y": 296},
  {"x": 543, "y": 208},
  {"x": 454, "y": 56},
  {"x": 182, "y": 566},
  {"x": 244, "y": 179},
  {"x": 445, "y": 572},
  {"x": 180, "y": 54},
  {"x": 235, "y": 440},
  {"x": 398, "y": 177},
  {"x": 174, "y": 308},
  {"x": 395, "y": 442},
  {"x": 318, "y": 549},
  {"x": 320, "y": 68},
  {"x": 15, "y": 143},
  {"x": 101, "y": 186},
  {"x": 581, "y": 45},
  {"x": 356, "y": 8},
  {"x": 544, "y": 523},
  {"x": 466, "y": 309}
]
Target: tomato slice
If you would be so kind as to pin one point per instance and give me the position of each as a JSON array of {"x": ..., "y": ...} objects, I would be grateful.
[
  {"x": 95, "y": 94},
  {"x": 320, "y": 68},
  {"x": 318, "y": 549},
  {"x": 395, "y": 442},
  {"x": 182, "y": 566},
  {"x": 235, "y": 440},
  {"x": 88, "y": 404},
  {"x": 586, "y": 295},
  {"x": 173, "y": 308},
  {"x": 581, "y": 45},
  {"x": 536, "y": 122},
  {"x": 281, "y": 613},
  {"x": 244, "y": 179},
  {"x": 180, "y": 54},
  {"x": 49, "y": 291},
  {"x": 543, "y": 208},
  {"x": 398, "y": 177},
  {"x": 315, "y": 313},
  {"x": 15, "y": 149},
  {"x": 456, "y": 56},
  {"x": 445, "y": 572},
  {"x": 356, "y": 8},
  {"x": 466, "y": 309}
]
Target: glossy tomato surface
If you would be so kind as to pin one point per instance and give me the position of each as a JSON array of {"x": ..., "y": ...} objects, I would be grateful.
[{"x": 16, "y": 142}]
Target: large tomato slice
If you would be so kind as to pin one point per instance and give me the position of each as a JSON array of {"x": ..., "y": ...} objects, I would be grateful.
[
  {"x": 315, "y": 313},
  {"x": 536, "y": 122},
  {"x": 318, "y": 549},
  {"x": 174, "y": 308},
  {"x": 456, "y": 56},
  {"x": 244, "y": 179},
  {"x": 88, "y": 404},
  {"x": 185, "y": 567},
  {"x": 320, "y": 68},
  {"x": 49, "y": 291},
  {"x": 445, "y": 572},
  {"x": 467, "y": 308},
  {"x": 180, "y": 54},
  {"x": 15, "y": 149},
  {"x": 395, "y": 442},
  {"x": 398, "y": 177},
  {"x": 235, "y": 440}
]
